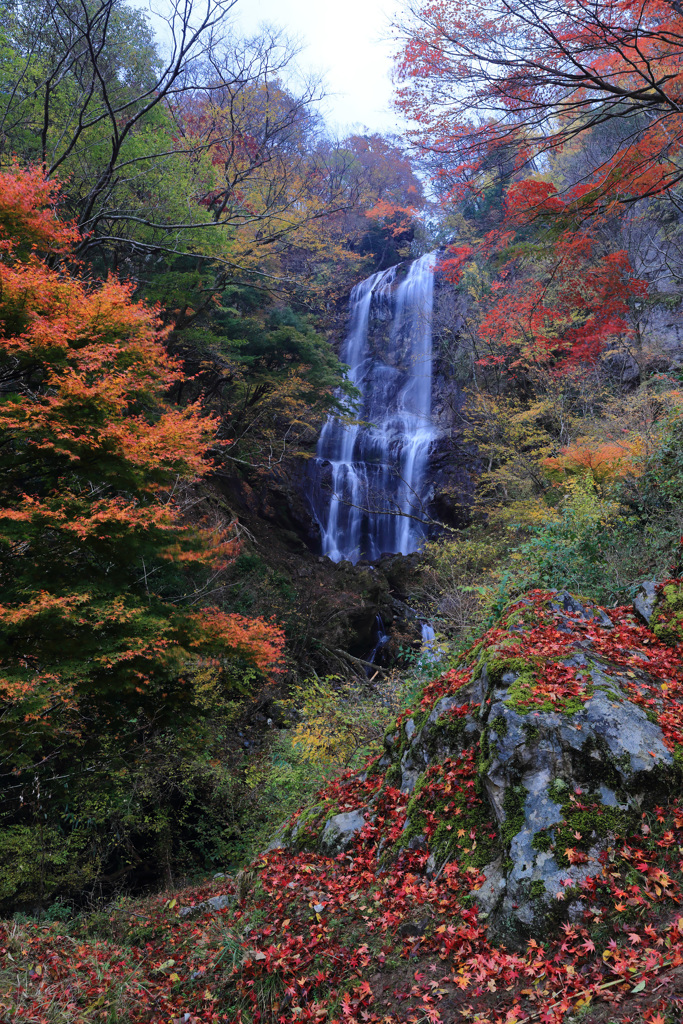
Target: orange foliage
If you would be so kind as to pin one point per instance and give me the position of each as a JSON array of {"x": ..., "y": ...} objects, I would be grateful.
[
  {"x": 90, "y": 457},
  {"x": 255, "y": 639},
  {"x": 27, "y": 214},
  {"x": 604, "y": 462},
  {"x": 395, "y": 218}
]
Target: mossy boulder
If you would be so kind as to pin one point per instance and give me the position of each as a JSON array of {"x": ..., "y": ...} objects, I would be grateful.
[
  {"x": 340, "y": 831},
  {"x": 445, "y": 731},
  {"x": 565, "y": 756},
  {"x": 568, "y": 784},
  {"x": 527, "y": 761}
]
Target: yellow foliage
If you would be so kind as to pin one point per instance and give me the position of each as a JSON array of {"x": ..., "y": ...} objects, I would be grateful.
[{"x": 340, "y": 725}]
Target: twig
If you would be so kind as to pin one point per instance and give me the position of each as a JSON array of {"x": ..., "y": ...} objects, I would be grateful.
[{"x": 591, "y": 992}]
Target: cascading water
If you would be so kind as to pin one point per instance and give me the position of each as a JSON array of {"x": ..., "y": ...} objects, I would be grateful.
[
  {"x": 428, "y": 642},
  {"x": 382, "y": 639},
  {"x": 378, "y": 466}
]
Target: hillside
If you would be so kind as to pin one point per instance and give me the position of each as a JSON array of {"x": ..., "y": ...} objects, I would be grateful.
[{"x": 400, "y": 894}]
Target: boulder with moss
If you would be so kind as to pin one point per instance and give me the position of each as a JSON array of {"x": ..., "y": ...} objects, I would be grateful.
[{"x": 526, "y": 761}]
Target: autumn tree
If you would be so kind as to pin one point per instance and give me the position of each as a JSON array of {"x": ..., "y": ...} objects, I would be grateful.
[
  {"x": 387, "y": 220},
  {"x": 202, "y": 173},
  {"x": 197, "y": 147},
  {"x": 86, "y": 93},
  {"x": 107, "y": 643},
  {"x": 530, "y": 77}
]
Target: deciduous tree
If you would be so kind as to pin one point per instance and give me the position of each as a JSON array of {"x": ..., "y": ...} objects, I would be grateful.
[
  {"x": 105, "y": 642},
  {"x": 525, "y": 78}
]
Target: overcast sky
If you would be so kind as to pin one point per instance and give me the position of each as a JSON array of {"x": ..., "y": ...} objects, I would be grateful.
[{"x": 348, "y": 41}]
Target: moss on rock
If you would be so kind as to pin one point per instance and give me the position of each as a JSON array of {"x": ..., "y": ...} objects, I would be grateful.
[
  {"x": 499, "y": 725},
  {"x": 513, "y": 805},
  {"x": 667, "y": 619}
]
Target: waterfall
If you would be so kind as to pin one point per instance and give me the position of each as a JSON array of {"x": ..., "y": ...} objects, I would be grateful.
[
  {"x": 429, "y": 654},
  {"x": 382, "y": 639},
  {"x": 377, "y": 467}
]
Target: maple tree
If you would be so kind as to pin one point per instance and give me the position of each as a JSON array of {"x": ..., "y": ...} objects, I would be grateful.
[
  {"x": 105, "y": 640},
  {"x": 550, "y": 300},
  {"x": 526, "y": 78},
  {"x": 604, "y": 463},
  {"x": 540, "y": 122}
]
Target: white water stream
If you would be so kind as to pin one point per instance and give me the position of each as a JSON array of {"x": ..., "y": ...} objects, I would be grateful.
[{"x": 378, "y": 467}]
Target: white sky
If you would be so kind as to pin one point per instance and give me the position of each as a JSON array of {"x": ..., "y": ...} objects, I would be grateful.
[{"x": 348, "y": 41}]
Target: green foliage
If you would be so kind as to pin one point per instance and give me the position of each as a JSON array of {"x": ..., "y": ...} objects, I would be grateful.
[
  {"x": 267, "y": 372},
  {"x": 38, "y": 860},
  {"x": 583, "y": 826},
  {"x": 598, "y": 546},
  {"x": 341, "y": 725},
  {"x": 568, "y": 551},
  {"x": 500, "y": 726},
  {"x": 661, "y": 486},
  {"x": 600, "y": 539}
]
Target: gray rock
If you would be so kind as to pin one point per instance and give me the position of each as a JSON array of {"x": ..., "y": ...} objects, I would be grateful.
[
  {"x": 340, "y": 831},
  {"x": 417, "y": 843},
  {"x": 636, "y": 744},
  {"x": 564, "y": 601},
  {"x": 277, "y": 842},
  {"x": 217, "y": 903},
  {"x": 623, "y": 367},
  {"x": 429, "y": 745},
  {"x": 410, "y": 773},
  {"x": 538, "y": 761},
  {"x": 608, "y": 749},
  {"x": 492, "y": 890},
  {"x": 645, "y": 600},
  {"x": 213, "y": 905}
]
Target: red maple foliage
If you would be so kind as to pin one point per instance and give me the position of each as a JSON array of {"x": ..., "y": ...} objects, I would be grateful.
[
  {"x": 521, "y": 78},
  {"x": 568, "y": 309},
  {"x": 491, "y": 89}
]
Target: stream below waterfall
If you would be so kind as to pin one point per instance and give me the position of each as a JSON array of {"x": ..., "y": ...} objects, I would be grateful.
[{"x": 374, "y": 481}]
